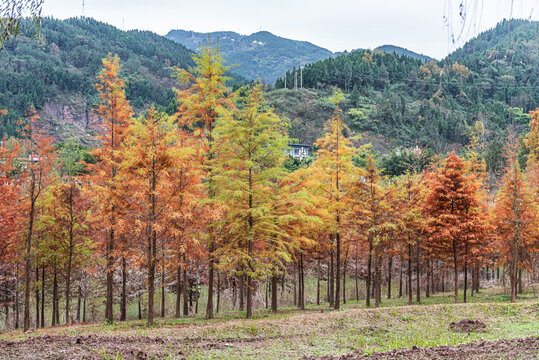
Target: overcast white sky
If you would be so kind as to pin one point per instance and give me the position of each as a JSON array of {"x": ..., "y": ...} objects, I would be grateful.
[{"x": 419, "y": 25}]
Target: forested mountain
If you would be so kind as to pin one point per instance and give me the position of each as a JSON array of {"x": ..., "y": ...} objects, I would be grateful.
[
  {"x": 402, "y": 102},
  {"x": 57, "y": 71},
  {"x": 261, "y": 55},
  {"x": 388, "y": 49}
]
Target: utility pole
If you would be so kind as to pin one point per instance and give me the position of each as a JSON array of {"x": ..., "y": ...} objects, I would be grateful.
[
  {"x": 300, "y": 77},
  {"x": 285, "y": 80},
  {"x": 295, "y": 79}
]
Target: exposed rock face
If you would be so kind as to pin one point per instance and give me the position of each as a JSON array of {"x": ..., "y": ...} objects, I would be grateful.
[{"x": 71, "y": 118}]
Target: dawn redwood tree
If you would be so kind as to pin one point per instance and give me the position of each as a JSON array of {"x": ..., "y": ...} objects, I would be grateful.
[
  {"x": 250, "y": 142},
  {"x": 335, "y": 169},
  {"x": 40, "y": 160},
  {"x": 516, "y": 218},
  {"x": 477, "y": 248},
  {"x": 299, "y": 219},
  {"x": 374, "y": 207},
  {"x": 106, "y": 192},
  {"x": 63, "y": 219},
  {"x": 149, "y": 170},
  {"x": 412, "y": 220},
  {"x": 10, "y": 217},
  {"x": 451, "y": 209},
  {"x": 188, "y": 217},
  {"x": 200, "y": 102}
]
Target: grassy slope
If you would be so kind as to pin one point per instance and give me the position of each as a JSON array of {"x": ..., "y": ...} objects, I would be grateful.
[{"x": 317, "y": 331}]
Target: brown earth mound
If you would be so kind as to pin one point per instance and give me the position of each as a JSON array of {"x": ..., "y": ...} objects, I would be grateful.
[
  {"x": 515, "y": 349},
  {"x": 467, "y": 326}
]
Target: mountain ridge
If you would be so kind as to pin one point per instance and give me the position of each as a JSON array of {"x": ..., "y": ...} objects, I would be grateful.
[{"x": 260, "y": 55}]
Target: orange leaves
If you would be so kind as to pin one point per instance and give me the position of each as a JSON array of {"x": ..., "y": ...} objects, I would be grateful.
[
  {"x": 115, "y": 115},
  {"x": 456, "y": 223}
]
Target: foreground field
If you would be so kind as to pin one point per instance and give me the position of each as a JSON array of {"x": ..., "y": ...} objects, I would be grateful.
[{"x": 347, "y": 334}]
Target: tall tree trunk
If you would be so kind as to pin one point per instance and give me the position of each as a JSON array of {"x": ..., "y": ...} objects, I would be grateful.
[
  {"x": 520, "y": 287},
  {"x": 43, "y": 296},
  {"x": 163, "y": 309},
  {"x": 338, "y": 265},
  {"x": 410, "y": 296},
  {"x": 109, "y": 316},
  {"x": 344, "y": 279},
  {"x": 427, "y": 284},
  {"x": 54, "y": 295},
  {"x": 28, "y": 256},
  {"x": 84, "y": 309},
  {"x": 318, "y": 283},
  {"x": 152, "y": 254},
  {"x": 184, "y": 288},
  {"x": 37, "y": 297},
  {"x": 301, "y": 283},
  {"x": 328, "y": 297},
  {"x": 418, "y": 274},
  {"x": 400, "y": 276},
  {"x": 178, "y": 289},
  {"x": 152, "y": 246},
  {"x": 472, "y": 288},
  {"x": 218, "y": 292},
  {"x": 209, "y": 303},
  {"x": 368, "y": 282},
  {"x": 357, "y": 278},
  {"x": 266, "y": 289},
  {"x": 139, "y": 307},
  {"x": 455, "y": 269},
  {"x": 274, "y": 293},
  {"x": 16, "y": 295},
  {"x": 331, "y": 277},
  {"x": 69, "y": 256},
  {"x": 294, "y": 280},
  {"x": 465, "y": 272},
  {"x": 123, "y": 304},
  {"x": 377, "y": 277},
  {"x": 389, "y": 269}
]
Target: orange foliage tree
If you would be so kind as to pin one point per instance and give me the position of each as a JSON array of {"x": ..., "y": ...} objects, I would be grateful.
[
  {"x": 334, "y": 169},
  {"x": 452, "y": 212},
  {"x": 515, "y": 217},
  {"x": 106, "y": 191},
  {"x": 38, "y": 163}
]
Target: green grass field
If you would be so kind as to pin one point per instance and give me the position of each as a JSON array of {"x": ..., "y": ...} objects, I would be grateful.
[{"x": 317, "y": 331}]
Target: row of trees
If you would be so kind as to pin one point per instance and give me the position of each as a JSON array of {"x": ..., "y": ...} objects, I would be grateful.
[{"x": 206, "y": 190}]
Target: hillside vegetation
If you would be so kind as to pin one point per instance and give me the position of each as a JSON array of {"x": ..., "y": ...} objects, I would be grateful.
[
  {"x": 492, "y": 79},
  {"x": 56, "y": 72},
  {"x": 261, "y": 55}
]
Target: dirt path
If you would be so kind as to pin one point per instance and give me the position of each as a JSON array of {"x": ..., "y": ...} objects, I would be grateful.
[
  {"x": 515, "y": 349},
  {"x": 92, "y": 347}
]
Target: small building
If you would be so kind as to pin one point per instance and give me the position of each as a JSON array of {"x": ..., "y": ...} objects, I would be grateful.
[{"x": 299, "y": 151}]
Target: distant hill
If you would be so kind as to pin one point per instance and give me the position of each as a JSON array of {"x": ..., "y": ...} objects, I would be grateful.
[
  {"x": 388, "y": 49},
  {"x": 261, "y": 55},
  {"x": 57, "y": 71},
  {"x": 399, "y": 100}
]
